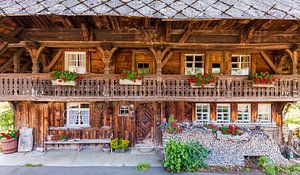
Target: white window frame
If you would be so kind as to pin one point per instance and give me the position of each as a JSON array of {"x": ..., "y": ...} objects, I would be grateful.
[
  {"x": 244, "y": 114},
  {"x": 222, "y": 120},
  {"x": 199, "y": 115},
  {"x": 122, "y": 108},
  {"x": 79, "y": 57},
  {"x": 188, "y": 71},
  {"x": 264, "y": 113},
  {"x": 79, "y": 117},
  {"x": 239, "y": 70}
]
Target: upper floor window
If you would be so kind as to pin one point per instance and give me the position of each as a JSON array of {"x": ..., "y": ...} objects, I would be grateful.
[
  {"x": 143, "y": 68},
  {"x": 223, "y": 113},
  {"x": 194, "y": 63},
  {"x": 244, "y": 113},
  {"x": 75, "y": 62},
  {"x": 124, "y": 110},
  {"x": 216, "y": 68},
  {"x": 78, "y": 114},
  {"x": 264, "y": 113},
  {"x": 240, "y": 64},
  {"x": 202, "y": 112}
]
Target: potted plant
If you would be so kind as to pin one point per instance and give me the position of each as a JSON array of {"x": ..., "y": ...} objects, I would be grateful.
[
  {"x": 60, "y": 137},
  {"x": 106, "y": 148},
  {"x": 171, "y": 126},
  {"x": 9, "y": 141},
  {"x": 203, "y": 81},
  {"x": 119, "y": 145},
  {"x": 130, "y": 78},
  {"x": 263, "y": 79},
  {"x": 65, "y": 78}
]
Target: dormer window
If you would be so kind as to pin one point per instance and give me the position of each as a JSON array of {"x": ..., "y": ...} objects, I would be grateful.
[{"x": 75, "y": 62}]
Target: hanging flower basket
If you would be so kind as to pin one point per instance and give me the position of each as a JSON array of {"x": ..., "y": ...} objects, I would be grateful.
[
  {"x": 263, "y": 79},
  {"x": 64, "y": 78},
  {"x": 130, "y": 78},
  {"x": 203, "y": 81}
]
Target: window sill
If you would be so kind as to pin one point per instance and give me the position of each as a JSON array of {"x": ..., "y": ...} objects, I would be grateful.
[{"x": 69, "y": 127}]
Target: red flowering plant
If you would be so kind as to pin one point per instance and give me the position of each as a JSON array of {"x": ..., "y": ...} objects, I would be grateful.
[
  {"x": 232, "y": 130},
  {"x": 263, "y": 78},
  {"x": 60, "y": 137},
  {"x": 171, "y": 126},
  {"x": 10, "y": 134},
  {"x": 129, "y": 75},
  {"x": 202, "y": 79},
  {"x": 65, "y": 76}
]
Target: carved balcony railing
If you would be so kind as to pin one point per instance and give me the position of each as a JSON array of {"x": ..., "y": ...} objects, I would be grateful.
[{"x": 97, "y": 87}]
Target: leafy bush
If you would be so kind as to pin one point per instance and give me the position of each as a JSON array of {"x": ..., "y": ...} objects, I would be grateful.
[
  {"x": 171, "y": 126},
  {"x": 119, "y": 143},
  {"x": 6, "y": 120},
  {"x": 143, "y": 166},
  {"x": 269, "y": 168},
  {"x": 187, "y": 157}
]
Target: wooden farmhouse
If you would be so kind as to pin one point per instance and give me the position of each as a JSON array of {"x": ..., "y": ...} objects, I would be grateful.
[{"x": 167, "y": 41}]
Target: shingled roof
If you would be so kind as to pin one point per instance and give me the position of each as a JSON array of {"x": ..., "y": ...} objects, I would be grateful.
[{"x": 181, "y": 9}]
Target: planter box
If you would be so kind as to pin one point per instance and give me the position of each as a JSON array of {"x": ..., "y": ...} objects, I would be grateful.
[
  {"x": 9, "y": 145},
  {"x": 244, "y": 137},
  {"x": 263, "y": 85},
  {"x": 210, "y": 85},
  {"x": 68, "y": 83},
  {"x": 129, "y": 82}
]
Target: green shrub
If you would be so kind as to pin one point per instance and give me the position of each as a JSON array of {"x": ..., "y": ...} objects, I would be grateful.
[
  {"x": 6, "y": 120},
  {"x": 187, "y": 157},
  {"x": 143, "y": 166},
  {"x": 267, "y": 165},
  {"x": 119, "y": 143}
]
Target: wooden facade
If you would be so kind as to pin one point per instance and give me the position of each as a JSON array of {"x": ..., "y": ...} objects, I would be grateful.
[{"x": 33, "y": 46}]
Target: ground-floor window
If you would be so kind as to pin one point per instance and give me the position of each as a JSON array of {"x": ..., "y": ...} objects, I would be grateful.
[
  {"x": 124, "y": 110},
  {"x": 264, "y": 113},
  {"x": 78, "y": 114},
  {"x": 223, "y": 113},
  {"x": 244, "y": 113},
  {"x": 202, "y": 112}
]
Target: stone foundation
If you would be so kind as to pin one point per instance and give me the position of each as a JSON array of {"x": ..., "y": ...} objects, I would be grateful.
[{"x": 227, "y": 152}]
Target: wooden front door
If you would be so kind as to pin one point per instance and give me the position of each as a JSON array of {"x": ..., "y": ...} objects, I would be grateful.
[{"x": 144, "y": 124}]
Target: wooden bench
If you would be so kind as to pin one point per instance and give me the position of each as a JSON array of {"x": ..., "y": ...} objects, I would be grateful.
[{"x": 79, "y": 143}]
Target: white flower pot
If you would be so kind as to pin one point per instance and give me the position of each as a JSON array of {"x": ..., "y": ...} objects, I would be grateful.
[
  {"x": 259, "y": 85},
  {"x": 243, "y": 137},
  {"x": 62, "y": 83},
  {"x": 129, "y": 82},
  {"x": 210, "y": 85}
]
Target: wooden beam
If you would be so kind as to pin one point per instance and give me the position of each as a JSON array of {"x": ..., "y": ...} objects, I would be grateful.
[
  {"x": 294, "y": 57},
  {"x": 187, "y": 33},
  {"x": 10, "y": 61},
  {"x": 166, "y": 59},
  {"x": 168, "y": 32},
  {"x": 282, "y": 60},
  {"x": 16, "y": 59},
  {"x": 269, "y": 61},
  {"x": 44, "y": 61},
  {"x": 34, "y": 54},
  {"x": 145, "y": 35},
  {"x": 55, "y": 59},
  {"x": 25, "y": 67},
  {"x": 106, "y": 56},
  {"x": 3, "y": 47},
  {"x": 114, "y": 22},
  {"x": 85, "y": 32}
]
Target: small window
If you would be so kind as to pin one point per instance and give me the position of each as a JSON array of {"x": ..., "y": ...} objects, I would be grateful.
[
  {"x": 240, "y": 64},
  {"x": 223, "y": 113},
  {"x": 216, "y": 68},
  {"x": 202, "y": 113},
  {"x": 78, "y": 114},
  {"x": 124, "y": 111},
  {"x": 264, "y": 113},
  {"x": 244, "y": 113},
  {"x": 143, "y": 68},
  {"x": 194, "y": 63},
  {"x": 75, "y": 62}
]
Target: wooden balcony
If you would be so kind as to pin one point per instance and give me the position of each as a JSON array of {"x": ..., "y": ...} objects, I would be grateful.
[{"x": 97, "y": 87}]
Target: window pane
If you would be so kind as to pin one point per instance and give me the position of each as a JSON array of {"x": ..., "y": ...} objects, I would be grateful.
[
  {"x": 198, "y": 58},
  {"x": 198, "y": 65},
  {"x": 189, "y": 65},
  {"x": 234, "y": 59},
  {"x": 189, "y": 58}
]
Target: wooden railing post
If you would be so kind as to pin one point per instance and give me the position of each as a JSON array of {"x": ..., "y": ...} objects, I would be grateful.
[{"x": 295, "y": 88}]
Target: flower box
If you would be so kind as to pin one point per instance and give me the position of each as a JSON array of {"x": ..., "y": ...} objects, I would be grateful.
[
  {"x": 243, "y": 137},
  {"x": 60, "y": 82},
  {"x": 129, "y": 82},
  {"x": 209, "y": 86},
  {"x": 9, "y": 145},
  {"x": 259, "y": 85}
]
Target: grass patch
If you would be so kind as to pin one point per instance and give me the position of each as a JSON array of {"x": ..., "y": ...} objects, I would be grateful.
[
  {"x": 143, "y": 166},
  {"x": 32, "y": 165}
]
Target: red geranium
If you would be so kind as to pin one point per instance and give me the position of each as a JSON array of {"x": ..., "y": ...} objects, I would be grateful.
[{"x": 10, "y": 134}]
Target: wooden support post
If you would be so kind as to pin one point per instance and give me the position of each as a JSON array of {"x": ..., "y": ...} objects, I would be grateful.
[
  {"x": 35, "y": 51},
  {"x": 227, "y": 63},
  {"x": 106, "y": 55},
  {"x": 269, "y": 61},
  {"x": 161, "y": 58},
  {"x": 16, "y": 59},
  {"x": 294, "y": 57}
]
